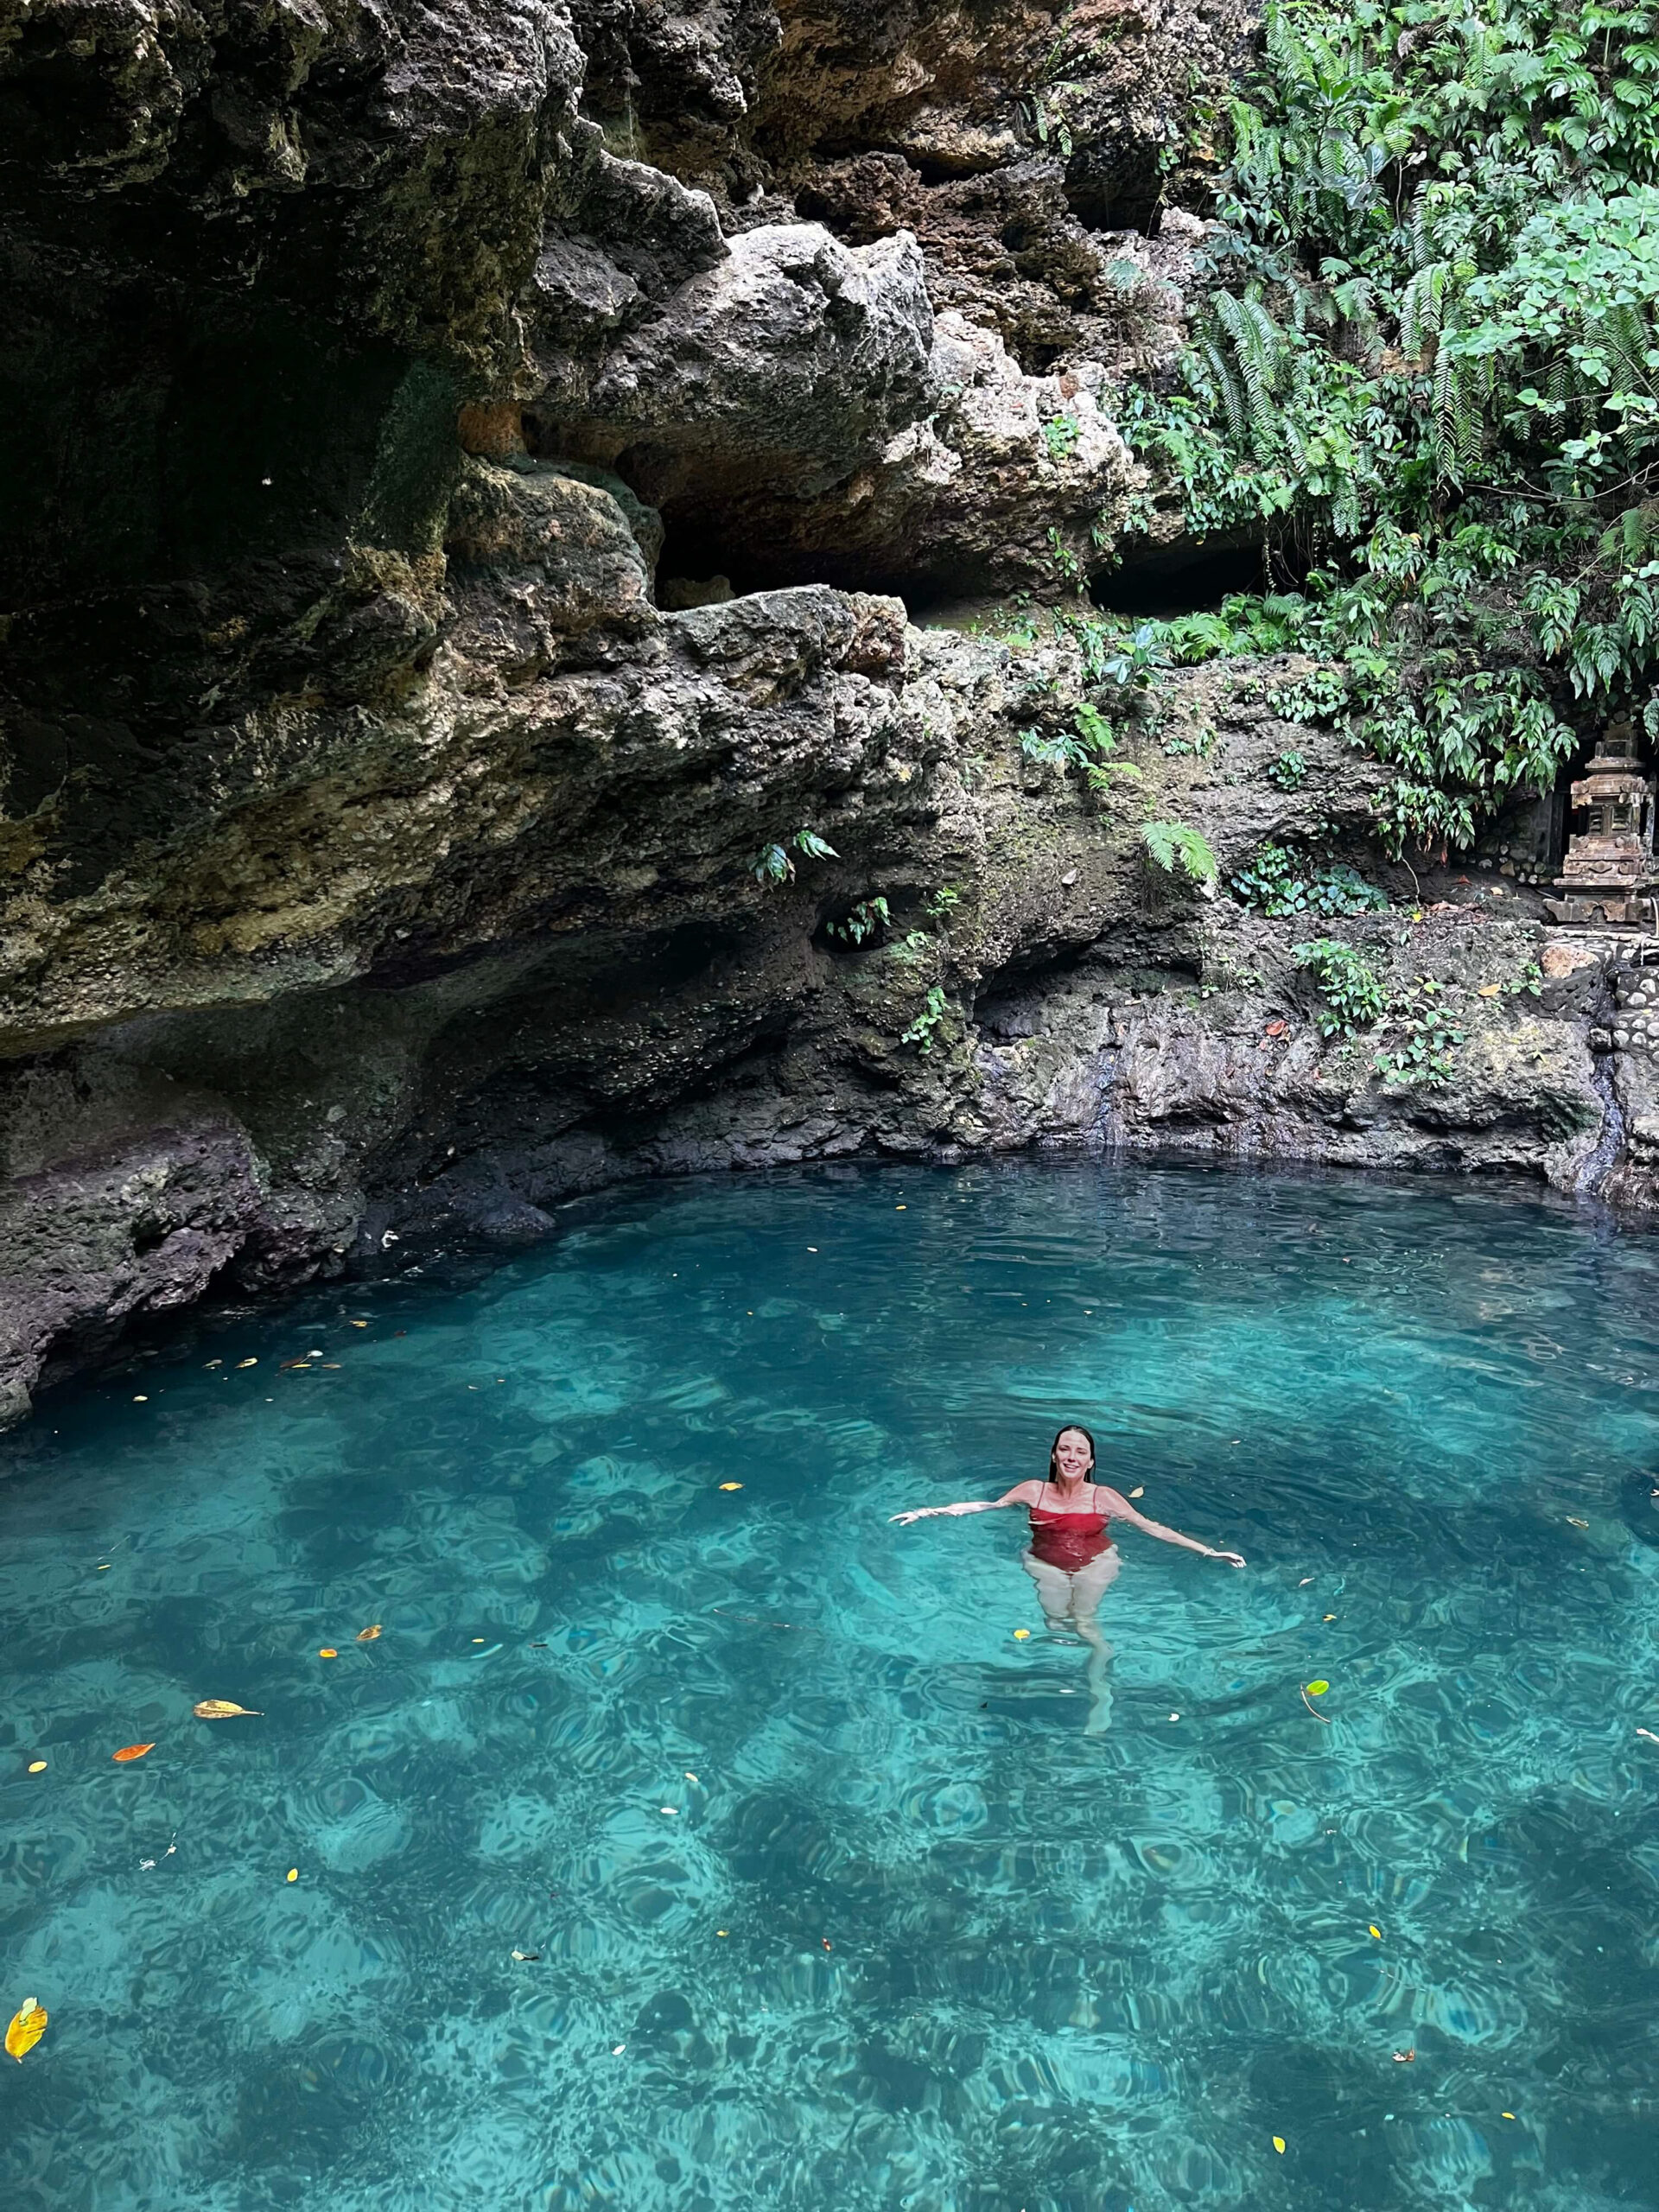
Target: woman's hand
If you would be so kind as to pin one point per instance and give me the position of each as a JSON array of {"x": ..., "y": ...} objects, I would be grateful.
[
  {"x": 917, "y": 1513},
  {"x": 1233, "y": 1558}
]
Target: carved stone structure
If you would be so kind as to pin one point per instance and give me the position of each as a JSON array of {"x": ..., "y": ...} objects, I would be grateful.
[{"x": 1609, "y": 865}]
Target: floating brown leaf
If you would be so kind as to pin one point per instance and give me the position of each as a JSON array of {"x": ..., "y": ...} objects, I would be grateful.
[
  {"x": 28, "y": 2027},
  {"x": 220, "y": 1709},
  {"x": 131, "y": 1751},
  {"x": 368, "y": 1635}
]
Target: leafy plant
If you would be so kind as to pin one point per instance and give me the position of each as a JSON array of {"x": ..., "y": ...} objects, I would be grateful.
[
  {"x": 1428, "y": 373},
  {"x": 1087, "y": 746},
  {"x": 1060, "y": 435},
  {"x": 1288, "y": 772},
  {"x": 864, "y": 920},
  {"x": 1429, "y": 1038},
  {"x": 940, "y": 903},
  {"x": 1176, "y": 846},
  {"x": 772, "y": 864},
  {"x": 1319, "y": 696},
  {"x": 920, "y": 1032},
  {"x": 1353, "y": 994},
  {"x": 1068, "y": 563},
  {"x": 1278, "y": 881},
  {"x": 1530, "y": 980}
]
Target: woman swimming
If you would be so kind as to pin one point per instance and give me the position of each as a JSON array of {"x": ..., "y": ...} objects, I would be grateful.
[{"x": 1073, "y": 1558}]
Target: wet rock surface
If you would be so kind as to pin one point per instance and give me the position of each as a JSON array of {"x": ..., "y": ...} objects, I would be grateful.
[{"x": 474, "y": 479}]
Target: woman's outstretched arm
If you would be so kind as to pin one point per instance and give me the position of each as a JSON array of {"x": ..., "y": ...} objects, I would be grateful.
[
  {"x": 1120, "y": 1509},
  {"x": 1022, "y": 1494}
]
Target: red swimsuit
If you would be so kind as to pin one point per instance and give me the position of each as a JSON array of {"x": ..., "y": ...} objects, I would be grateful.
[{"x": 1067, "y": 1539}]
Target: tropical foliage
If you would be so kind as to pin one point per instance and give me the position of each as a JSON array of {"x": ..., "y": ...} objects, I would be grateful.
[{"x": 1427, "y": 371}]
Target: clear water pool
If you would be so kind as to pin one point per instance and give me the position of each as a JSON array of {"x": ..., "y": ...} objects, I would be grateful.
[{"x": 836, "y": 1905}]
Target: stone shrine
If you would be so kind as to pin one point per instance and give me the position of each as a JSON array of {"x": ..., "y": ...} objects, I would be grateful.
[{"x": 1608, "y": 874}]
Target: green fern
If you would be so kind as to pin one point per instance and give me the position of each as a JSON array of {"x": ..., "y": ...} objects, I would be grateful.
[{"x": 1177, "y": 848}]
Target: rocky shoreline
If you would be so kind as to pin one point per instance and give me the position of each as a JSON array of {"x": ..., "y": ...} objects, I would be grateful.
[{"x": 495, "y": 497}]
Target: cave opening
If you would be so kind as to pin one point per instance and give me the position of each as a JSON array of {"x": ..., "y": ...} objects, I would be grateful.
[
  {"x": 704, "y": 562},
  {"x": 1191, "y": 580}
]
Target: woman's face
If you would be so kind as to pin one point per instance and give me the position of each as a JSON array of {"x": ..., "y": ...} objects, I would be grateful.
[{"x": 1072, "y": 1457}]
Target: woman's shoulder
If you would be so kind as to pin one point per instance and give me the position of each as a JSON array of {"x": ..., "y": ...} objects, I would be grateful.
[{"x": 1025, "y": 1493}]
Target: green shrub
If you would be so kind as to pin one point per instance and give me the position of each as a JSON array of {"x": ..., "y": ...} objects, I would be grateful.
[
  {"x": 1429, "y": 1038},
  {"x": 1278, "y": 882},
  {"x": 920, "y": 1032},
  {"x": 865, "y": 919},
  {"x": 1426, "y": 373},
  {"x": 1353, "y": 994}
]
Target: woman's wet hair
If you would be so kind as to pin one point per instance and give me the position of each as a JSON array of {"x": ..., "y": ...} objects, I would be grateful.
[{"x": 1071, "y": 1428}]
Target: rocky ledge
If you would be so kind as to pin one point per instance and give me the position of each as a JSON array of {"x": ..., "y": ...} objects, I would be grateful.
[{"x": 494, "y": 701}]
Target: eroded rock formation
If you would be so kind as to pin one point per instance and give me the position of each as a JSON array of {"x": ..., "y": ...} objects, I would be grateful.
[{"x": 468, "y": 472}]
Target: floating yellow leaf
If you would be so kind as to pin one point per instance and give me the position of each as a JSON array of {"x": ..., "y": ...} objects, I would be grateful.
[
  {"x": 1506, "y": 2115},
  {"x": 1139, "y": 1493},
  {"x": 731, "y": 1485},
  {"x": 328, "y": 1652},
  {"x": 293, "y": 1873},
  {"x": 1278, "y": 2145},
  {"x": 1573, "y": 1522},
  {"x": 1021, "y": 1634},
  {"x": 28, "y": 2027},
  {"x": 37, "y": 1766},
  {"x": 247, "y": 1362},
  {"x": 131, "y": 1751},
  {"x": 1489, "y": 990},
  {"x": 368, "y": 1635},
  {"x": 1377, "y": 1932},
  {"x": 357, "y": 1324},
  {"x": 1318, "y": 1689},
  {"x": 220, "y": 1709}
]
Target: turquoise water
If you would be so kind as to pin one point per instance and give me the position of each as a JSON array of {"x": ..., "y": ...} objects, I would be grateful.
[{"x": 835, "y": 1902}]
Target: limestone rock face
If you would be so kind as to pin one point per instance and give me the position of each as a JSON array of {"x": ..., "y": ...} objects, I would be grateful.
[
  {"x": 543, "y": 553},
  {"x": 776, "y": 373},
  {"x": 385, "y": 857}
]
